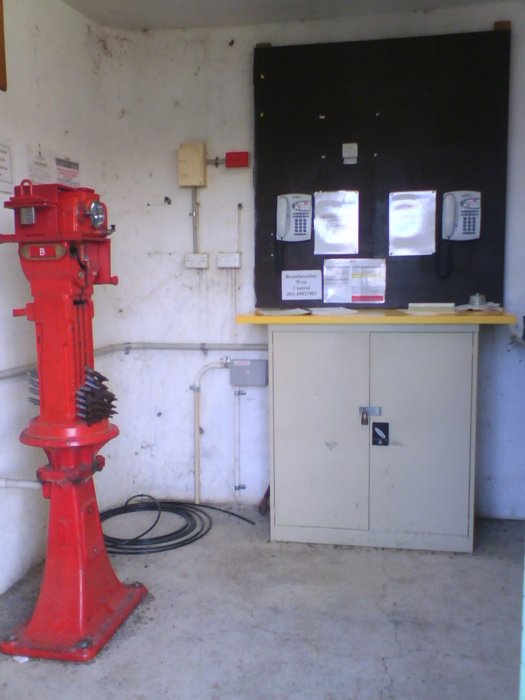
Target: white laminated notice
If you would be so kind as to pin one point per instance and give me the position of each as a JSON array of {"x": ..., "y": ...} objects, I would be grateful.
[
  {"x": 412, "y": 223},
  {"x": 336, "y": 222},
  {"x": 354, "y": 281}
]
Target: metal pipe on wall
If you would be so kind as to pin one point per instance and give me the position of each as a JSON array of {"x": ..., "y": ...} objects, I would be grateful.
[
  {"x": 16, "y": 371},
  {"x": 238, "y": 393},
  {"x": 128, "y": 347},
  {"x": 195, "y": 219},
  {"x": 19, "y": 484}
]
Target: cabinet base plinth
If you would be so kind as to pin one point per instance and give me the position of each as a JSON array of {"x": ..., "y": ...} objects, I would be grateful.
[{"x": 366, "y": 538}]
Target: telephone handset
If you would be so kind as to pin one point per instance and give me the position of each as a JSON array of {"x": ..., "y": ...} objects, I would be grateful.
[
  {"x": 294, "y": 217},
  {"x": 461, "y": 216}
]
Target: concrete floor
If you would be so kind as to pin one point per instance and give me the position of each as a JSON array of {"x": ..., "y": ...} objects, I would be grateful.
[{"x": 234, "y": 616}]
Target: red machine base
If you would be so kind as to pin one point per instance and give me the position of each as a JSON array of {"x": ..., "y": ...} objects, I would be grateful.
[
  {"x": 24, "y": 643},
  {"x": 82, "y": 602}
]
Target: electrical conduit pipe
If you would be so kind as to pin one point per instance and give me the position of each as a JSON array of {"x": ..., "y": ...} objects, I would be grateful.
[
  {"x": 128, "y": 347},
  {"x": 19, "y": 484},
  {"x": 196, "y": 388},
  {"x": 237, "y": 440}
]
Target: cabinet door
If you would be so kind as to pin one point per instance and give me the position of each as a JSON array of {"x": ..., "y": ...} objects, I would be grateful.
[
  {"x": 320, "y": 448},
  {"x": 420, "y": 482}
]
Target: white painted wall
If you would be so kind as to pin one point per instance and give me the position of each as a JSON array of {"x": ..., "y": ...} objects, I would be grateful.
[{"x": 123, "y": 102}]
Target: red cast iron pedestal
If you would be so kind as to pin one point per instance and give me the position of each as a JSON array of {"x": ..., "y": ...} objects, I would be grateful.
[{"x": 64, "y": 250}]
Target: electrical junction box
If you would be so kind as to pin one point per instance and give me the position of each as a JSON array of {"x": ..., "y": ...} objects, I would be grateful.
[
  {"x": 191, "y": 165},
  {"x": 228, "y": 260},
  {"x": 196, "y": 261},
  {"x": 249, "y": 372}
]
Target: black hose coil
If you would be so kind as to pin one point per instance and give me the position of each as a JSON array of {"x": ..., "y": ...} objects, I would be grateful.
[{"x": 196, "y": 523}]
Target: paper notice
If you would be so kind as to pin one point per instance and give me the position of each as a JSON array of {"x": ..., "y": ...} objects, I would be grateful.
[
  {"x": 6, "y": 168},
  {"x": 44, "y": 166},
  {"x": 412, "y": 223},
  {"x": 354, "y": 280},
  {"x": 301, "y": 284},
  {"x": 336, "y": 223}
]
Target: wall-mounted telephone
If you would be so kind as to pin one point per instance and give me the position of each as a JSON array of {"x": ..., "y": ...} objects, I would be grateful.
[
  {"x": 461, "y": 216},
  {"x": 294, "y": 217}
]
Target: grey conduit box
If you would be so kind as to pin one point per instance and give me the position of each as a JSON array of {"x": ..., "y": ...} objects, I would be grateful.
[{"x": 249, "y": 372}]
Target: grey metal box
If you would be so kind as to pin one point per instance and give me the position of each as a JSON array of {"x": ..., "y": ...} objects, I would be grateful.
[{"x": 249, "y": 372}]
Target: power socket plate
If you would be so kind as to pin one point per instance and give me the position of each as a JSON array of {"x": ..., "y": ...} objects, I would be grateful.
[
  {"x": 229, "y": 260},
  {"x": 197, "y": 261}
]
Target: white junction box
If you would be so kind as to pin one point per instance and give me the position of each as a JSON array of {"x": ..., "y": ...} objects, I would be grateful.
[
  {"x": 229, "y": 260},
  {"x": 196, "y": 261}
]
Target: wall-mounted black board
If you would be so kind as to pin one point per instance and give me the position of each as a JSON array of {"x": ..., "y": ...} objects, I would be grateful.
[{"x": 427, "y": 113}]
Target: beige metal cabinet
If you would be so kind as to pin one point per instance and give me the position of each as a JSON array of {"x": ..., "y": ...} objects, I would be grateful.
[{"x": 329, "y": 482}]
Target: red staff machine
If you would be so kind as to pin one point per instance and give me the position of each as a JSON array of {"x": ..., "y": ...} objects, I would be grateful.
[{"x": 64, "y": 249}]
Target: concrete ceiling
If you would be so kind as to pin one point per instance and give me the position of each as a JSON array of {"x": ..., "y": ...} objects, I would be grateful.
[{"x": 171, "y": 14}]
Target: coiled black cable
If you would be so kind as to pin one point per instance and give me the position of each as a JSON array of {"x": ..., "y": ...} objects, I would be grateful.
[{"x": 196, "y": 523}]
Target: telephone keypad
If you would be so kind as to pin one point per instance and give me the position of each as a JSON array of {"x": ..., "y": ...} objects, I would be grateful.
[
  {"x": 469, "y": 224},
  {"x": 300, "y": 224}
]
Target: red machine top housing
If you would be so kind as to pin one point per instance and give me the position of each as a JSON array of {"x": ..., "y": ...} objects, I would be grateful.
[
  {"x": 64, "y": 217},
  {"x": 64, "y": 213},
  {"x": 64, "y": 249}
]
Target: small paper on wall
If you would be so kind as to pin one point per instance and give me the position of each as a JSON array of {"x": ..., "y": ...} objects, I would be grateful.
[
  {"x": 45, "y": 166},
  {"x": 6, "y": 167},
  {"x": 354, "y": 281},
  {"x": 301, "y": 284},
  {"x": 336, "y": 222}
]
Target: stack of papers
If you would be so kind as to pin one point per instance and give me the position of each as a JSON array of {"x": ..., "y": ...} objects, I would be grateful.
[
  {"x": 282, "y": 312},
  {"x": 489, "y": 306},
  {"x": 431, "y": 308},
  {"x": 332, "y": 311}
]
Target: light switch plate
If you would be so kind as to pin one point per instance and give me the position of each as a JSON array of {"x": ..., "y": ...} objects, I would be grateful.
[
  {"x": 197, "y": 261},
  {"x": 229, "y": 260}
]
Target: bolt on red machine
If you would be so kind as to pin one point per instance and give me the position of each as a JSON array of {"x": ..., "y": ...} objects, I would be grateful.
[{"x": 64, "y": 249}]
